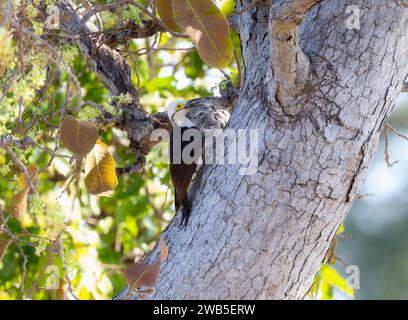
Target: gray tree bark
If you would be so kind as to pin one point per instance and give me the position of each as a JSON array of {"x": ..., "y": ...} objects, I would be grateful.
[{"x": 319, "y": 118}]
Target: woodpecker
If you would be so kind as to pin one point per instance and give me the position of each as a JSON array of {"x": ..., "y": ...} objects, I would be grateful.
[
  {"x": 189, "y": 121},
  {"x": 185, "y": 152}
]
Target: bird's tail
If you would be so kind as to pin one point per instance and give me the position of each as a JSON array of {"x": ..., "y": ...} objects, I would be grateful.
[{"x": 186, "y": 211}]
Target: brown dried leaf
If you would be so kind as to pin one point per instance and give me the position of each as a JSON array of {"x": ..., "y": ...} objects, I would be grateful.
[
  {"x": 331, "y": 254},
  {"x": 207, "y": 27},
  {"x": 100, "y": 171},
  {"x": 142, "y": 275},
  {"x": 19, "y": 203},
  {"x": 78, "y": 136},
  {"x": 165, "y": 11}
]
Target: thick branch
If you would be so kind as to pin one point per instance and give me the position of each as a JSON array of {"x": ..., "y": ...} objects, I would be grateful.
[
  {"x": 146, "y": 29},
  {"x": 290, "y": 66},
  {"x": 108, "y": 64}
]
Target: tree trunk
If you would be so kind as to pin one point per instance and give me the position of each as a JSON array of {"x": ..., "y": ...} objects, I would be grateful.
[{"x": 265, "y": 236}]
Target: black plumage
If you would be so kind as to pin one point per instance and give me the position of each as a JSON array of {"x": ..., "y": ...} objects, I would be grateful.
[{"x": 181, "y": 169}]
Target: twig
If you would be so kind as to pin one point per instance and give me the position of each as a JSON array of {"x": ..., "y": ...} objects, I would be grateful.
[
  {"x": 396, "y": 132},
  {"x": 386, "y": 150},
  {"x": 22, "y": 168},
  {"x": 249, "y": 6},
  {"x": 65, "y": 269}
]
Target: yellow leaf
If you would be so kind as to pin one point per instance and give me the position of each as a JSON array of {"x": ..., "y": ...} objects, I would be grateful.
[
  {"x": 32, "y": 174},
  {"x": 19, "y": 203},
  {"x": 208, "y": 29},
  {"x": 100, "y": 171},
  {"x": 78, "y": 136},
  {"x": 165, "y": 11},
  {"x": 332, "y": 278},
  {"x": 340, "y": 230}
]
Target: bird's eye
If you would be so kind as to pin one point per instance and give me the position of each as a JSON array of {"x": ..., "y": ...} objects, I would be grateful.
[{"x": 179, "y": 106}]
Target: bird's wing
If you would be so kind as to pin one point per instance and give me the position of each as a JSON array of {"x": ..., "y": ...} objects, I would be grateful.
[
  {"x": 182, "y": 172},
  {"x": 208, "y": 116},
  {"x": 181, "y": 175}
]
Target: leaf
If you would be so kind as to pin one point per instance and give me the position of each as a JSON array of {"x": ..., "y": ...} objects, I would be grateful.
[
  {"x": 3, "y": 247},
  {"x": 19, "y": 200},
  {"x": 19, "y": 203},
  {"x": 78, "y": 136},
  {"x": 331, "y": 254},
  {"x": 144, "y": 275},
  {"x": 165, "y": 11},
  {"x": 32, "y": 174},
  {"x": 334, "y": 279},
  {"x": 208, "y": 29},
  {"x": 100, "y": 171}
]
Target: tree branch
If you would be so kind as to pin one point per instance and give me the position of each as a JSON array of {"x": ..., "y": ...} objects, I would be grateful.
[
  {"x": 290, "y": 65},
  {"x": 108, "y": 64},
  {"x": 115, "y": 73},
  {"x": 146, "y": 29},
  {"x": 403, "y": 3}
]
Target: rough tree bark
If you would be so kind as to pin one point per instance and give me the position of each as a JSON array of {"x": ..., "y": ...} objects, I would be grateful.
[
  {"x": 319, "y": 94},
  {"x": 319, "y": 114}
]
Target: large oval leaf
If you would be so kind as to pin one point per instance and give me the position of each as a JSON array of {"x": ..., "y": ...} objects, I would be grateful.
[
  {"x": 78, "y": 136},
  {"x": 165, "y": 11},
  {"x": 100, "y": 171},
  {"x": 19, "y": 203},
  {"x": 207, "y": 27},
  {"x": 144, "y": 275}
]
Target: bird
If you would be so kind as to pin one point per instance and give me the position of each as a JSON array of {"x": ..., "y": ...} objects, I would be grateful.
[{"x": 196, "y": 116}]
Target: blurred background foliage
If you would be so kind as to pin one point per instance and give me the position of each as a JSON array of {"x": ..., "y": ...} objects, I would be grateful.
[{"x": 87, "y": 240}]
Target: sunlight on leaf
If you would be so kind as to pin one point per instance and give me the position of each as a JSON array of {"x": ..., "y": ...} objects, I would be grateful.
[
  {"x": 32, "y": 174},
  {"x": 165, "y": 10},
  {"x": 208, "y": 29},
  {"x": 100, "y": 171},
  {"x": 334, "y": 279}
]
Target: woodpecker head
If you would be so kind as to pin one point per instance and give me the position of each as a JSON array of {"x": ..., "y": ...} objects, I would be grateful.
[{"x": 177, "y": 114}]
